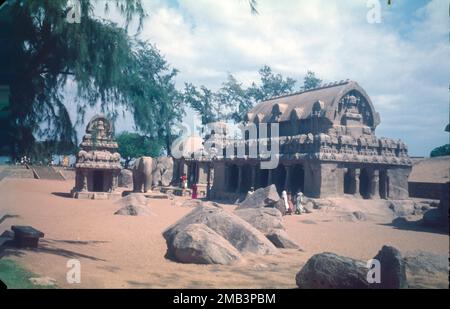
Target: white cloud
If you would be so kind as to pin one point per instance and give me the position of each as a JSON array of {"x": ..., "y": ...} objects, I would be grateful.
[{"x": 404, "y": 71}]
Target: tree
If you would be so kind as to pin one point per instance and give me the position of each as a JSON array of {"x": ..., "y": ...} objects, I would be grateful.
[
  {"x": 271, "y": 85},
  {"x": 311, "y": 81},
  {"x": 440, "y": 151},
  {"x": 133, "y": 145},
  {"x": 235, "y": 98},
  {"x": 108, "y": 67},
  {"x": 232, "y": 101}
]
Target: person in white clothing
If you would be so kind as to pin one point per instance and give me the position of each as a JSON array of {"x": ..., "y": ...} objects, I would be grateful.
[{"x": 285, "y": 200}]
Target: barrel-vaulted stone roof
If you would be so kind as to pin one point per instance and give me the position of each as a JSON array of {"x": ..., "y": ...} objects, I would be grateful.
[{"x": 323, "y": 101}]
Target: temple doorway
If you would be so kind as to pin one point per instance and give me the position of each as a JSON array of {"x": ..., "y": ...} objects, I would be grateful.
[
  {"x": 364, "y": 183},
  {"x": 233, "y": 176},
  {"x": 97, "y": 177},
  {"x": 350, "y": 182},
  {"x": 297, "y": 179},
  {"x": 263, "y": 178},
  {"x": 384, "y": 184},
  {"x": 280, "y": 177}
]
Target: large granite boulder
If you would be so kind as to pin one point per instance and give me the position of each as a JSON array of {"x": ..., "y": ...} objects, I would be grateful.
[
  {"x": 163, "y": 172},
  {"x": 331, "y": 271},
  {"x": 263, "y": 219},
  {"x": 199, "y": 244},
  {"x": 281, "y": 239},
  {"x": 263, "y": 197},
  {"x": 244, "y": 237},
  {"x": 393, "y": 270},
  {"x": 126, "y": 178}
]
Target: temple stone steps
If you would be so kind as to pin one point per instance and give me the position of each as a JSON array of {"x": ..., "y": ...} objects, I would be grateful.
[{"x": 46, "y": 172}]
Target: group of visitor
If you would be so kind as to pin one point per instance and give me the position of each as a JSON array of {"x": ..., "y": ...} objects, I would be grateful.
[
  {"x": 184, "y": 186},
  {"x": 293, "y": 204}
]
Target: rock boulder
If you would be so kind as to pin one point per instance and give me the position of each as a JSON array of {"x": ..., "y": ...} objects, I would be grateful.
[
  {"x": 199, "y": 244},
  {"x": 263, "y": 197},
  {"x": 281, "y": 239},
  {"x": 244, "y": 237},
  {"x": 263, "y": 219},
  {"x": 393, "y": 270},
  {"x": 331, "y": 271}
]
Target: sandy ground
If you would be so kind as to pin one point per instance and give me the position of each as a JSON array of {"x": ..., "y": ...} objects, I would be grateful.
[{"x": 123, "y": 251}]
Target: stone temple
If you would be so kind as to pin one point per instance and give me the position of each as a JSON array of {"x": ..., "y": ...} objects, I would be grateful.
[
  {"x": 98, "y": 162},
  {"x": 327, "y": 147}
]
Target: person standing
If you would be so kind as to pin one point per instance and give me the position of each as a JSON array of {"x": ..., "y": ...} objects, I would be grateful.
[
  {"x": 285, "y": 201},
  {"x": 299, "y": 203},
  {"x": 194, "y": 191}
]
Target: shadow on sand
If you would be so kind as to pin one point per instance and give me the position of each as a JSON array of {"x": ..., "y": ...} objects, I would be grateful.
[
  {"x": 47, "y": 246},
  {"x": 62, "y": 194},
  {"x": 8, "y": 216},
  {"x": 401, "y": 223}
]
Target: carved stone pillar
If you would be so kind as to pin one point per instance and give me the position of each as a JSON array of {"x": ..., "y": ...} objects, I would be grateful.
[
  {"x": 375, "y": 185},
  {"x": 115, "y": 180},
  {"x": 84, "y": 181},
  {"x": 239, "y": 186},
  {"x": 357, "y": 182}
]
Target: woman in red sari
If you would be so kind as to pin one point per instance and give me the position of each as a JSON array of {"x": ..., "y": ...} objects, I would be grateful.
[{"x": 194, "y": 191}]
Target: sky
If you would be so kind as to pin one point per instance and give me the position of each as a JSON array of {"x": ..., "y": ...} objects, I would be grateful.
[{"x": 402, "y": 62}]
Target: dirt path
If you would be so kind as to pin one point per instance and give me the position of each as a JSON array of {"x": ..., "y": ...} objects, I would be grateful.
[{"x": 121, "y": 251}]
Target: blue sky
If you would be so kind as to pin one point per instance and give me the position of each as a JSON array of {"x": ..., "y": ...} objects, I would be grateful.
[{"x": 402, "y": 62}]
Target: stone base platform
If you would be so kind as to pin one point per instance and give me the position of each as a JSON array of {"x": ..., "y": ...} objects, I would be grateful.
[{"x": 97, "y": 195}]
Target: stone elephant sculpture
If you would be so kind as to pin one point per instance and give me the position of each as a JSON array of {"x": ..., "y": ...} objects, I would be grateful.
[{"x": 142, "y": 174}]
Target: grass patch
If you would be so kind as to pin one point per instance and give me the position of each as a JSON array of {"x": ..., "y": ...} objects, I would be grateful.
[{"x": 17, "y": 277}]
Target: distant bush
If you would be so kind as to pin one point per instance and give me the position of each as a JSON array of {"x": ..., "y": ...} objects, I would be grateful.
[{"x": 441, "y": 151}]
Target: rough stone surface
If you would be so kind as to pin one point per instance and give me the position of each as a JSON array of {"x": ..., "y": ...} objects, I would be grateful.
[
  {"x": 244, "y": 237},
  {"x": 423, "y": 261},
  {"x": 133, "y": 210},
  {"x": 263, "y": 197},
  {"x": 142, "y": 174},
  {"x": 263, "y": 219},
  {"x": 281, "y": 239},
  {"x": 331, "y": 271},
  {"x": 163, "y": 171},
  {"x": 393, "y": 270},
  {"x": 402, "y": 208},
  {"x": 126, "y": 178},
  {"x": 198, "y": 244}
]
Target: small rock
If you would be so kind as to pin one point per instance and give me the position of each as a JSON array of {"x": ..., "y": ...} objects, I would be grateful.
[{"x": 360, "y": 216}]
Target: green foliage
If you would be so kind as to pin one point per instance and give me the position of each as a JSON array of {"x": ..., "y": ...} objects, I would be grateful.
[
  {"x": 271, "y": 85},
  {"x": 311, "y": 81},
  {"x": 443, "y": 150},
  {"x": 133, "y": 145},
  {"x": 17, "y": 277},
  {"x": 108, "y": 67},
  {"x": 232, "y": 101}
]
